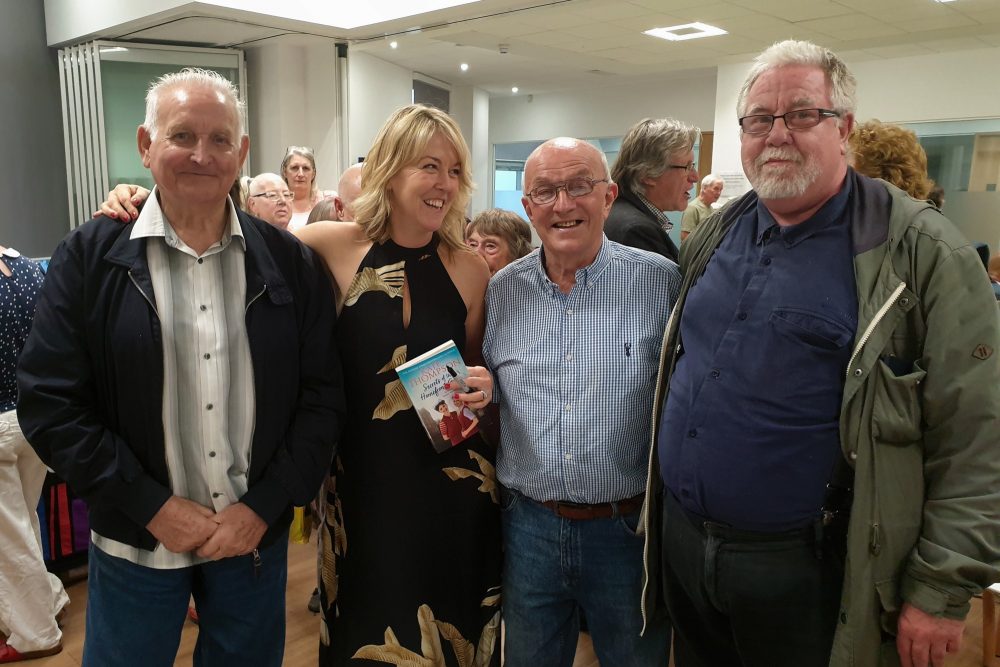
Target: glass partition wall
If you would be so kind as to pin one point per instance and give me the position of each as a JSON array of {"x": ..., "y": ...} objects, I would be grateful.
[
  {"x": 963, "y": 157},
  {"x": 103, "y": 95}
]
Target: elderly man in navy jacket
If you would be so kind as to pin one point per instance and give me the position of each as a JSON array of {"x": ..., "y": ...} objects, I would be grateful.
[{"x": 181, "y": 376}]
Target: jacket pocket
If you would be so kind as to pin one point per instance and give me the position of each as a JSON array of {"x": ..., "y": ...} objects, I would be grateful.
[
  {"x": 889, "y": 605},
  {"x": 812, "y": 329},
  {"x": 896, "y": 412}
]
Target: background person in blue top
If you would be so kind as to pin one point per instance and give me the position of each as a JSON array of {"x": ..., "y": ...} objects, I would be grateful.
[
  {"x": 573, "y": 335},
  {"x": 827, "y": 444},
  {"x": 31, "y": 596}
]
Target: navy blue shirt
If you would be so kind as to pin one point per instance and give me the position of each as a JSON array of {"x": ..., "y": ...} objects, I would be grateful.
[
  {"x": 18, "y": 293},
  {"x": 749, "y": 433}
]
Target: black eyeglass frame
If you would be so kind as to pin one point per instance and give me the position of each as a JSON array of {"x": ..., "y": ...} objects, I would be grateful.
[{"x": 821, "y": 115}]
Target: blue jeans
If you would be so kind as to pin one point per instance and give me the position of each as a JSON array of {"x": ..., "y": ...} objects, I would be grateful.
[
  {"x": 555, "y": 566},
  {"x": 135, "y": 614}
]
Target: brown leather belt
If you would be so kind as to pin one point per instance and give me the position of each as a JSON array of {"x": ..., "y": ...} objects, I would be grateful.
[{"x": 600, "y": 511}]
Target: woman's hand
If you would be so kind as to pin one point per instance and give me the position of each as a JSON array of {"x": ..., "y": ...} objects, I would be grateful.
[
  {"x": 480, "y": 384},
  {"x": 122, "y": 202}
]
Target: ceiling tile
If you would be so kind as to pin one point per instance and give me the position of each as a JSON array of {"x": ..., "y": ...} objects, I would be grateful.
[
  {"x": 795, "y": 11},
  {"x": 938, "y": 23},
  {"x": 899, "y": 50}
]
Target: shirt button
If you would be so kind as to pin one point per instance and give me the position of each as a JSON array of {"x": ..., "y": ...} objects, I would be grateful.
[
  {"x": 216, "y": 495},
  {"x": 715, "y": 373},
  {"x": 203, "y": 307},
  {"x": 201, "y": 261},
  {"x": 208, "y": 356},
  {"x": 211, "y": 454},
  {"x": 209, "y": 406},
  {"x": 853, "y": 456},
  {"x": 742, "y": 316},
  {"x": 858, "y": 372},
  {"x": 569, "y": 406},
  {"x": 766, "y": 261},
  {"x": 569, "y": 457},
  {"x": 693, "y": 433},
  {"x": 569, "y": 311},
  {"x": 569, "y": 356},
  {"x": 904, "y": 302}
]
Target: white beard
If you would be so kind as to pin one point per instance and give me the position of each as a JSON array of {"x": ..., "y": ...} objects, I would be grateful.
[{"x": 791, "y": 183}]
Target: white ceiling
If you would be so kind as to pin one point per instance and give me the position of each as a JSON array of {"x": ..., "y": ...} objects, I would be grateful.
[{"x": 571, "y": 43}]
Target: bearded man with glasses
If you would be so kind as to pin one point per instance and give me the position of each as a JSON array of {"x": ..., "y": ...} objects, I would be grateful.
[
  {"x": 654, "y": 171},
  {"x": 573, "y": 335},
  {"x": 824, "y": 484}
]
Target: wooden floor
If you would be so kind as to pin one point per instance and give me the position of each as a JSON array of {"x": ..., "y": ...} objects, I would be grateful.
[{"x": 301, "y": 640}]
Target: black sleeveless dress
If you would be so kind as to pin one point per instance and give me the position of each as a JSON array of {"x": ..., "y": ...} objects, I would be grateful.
[{"x": 410, "y": 549}]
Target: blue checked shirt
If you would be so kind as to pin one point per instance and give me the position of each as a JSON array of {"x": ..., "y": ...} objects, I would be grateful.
[{"x": 575, "y": 373}]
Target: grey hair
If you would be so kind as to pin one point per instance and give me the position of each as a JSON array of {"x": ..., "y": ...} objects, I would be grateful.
[
  {"x": 301, "y": 151},
  {"x": 192, "y": 77},
  {"x": 711, "y": 179},
  {"x": 256, "y": 185},
  {"x": 843, "y": 86},
  {"x": 647, "y": 148}
]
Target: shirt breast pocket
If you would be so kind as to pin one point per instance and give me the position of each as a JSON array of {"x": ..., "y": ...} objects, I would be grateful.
[{"x": 812, "y": 329}]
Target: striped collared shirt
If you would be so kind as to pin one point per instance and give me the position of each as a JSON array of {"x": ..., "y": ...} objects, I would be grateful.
[
  {"x": 660, "y": 216},
  {"x": 208, "y": 395},
  {"x": 575, "y": 373}
]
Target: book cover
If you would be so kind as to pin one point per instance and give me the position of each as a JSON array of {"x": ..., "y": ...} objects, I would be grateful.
[{"x": 447, "y": 422}]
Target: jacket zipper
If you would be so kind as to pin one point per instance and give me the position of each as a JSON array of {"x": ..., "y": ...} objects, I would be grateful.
[
  {"x": 649, "y": 476},
  {"x": 253, "y": 380},
  {"x": 874, "y": 537},
  {"x": 166, "y": 463}
]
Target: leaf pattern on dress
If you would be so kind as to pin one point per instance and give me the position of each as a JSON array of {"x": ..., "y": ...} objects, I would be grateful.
[
  {"x": 431, "y": 633},
  {"x": 388, "y": 279},
  {"x": 395, "y": 399},
  {"x": 487, "y": 475},
  {"x": 398, "y": 357}
]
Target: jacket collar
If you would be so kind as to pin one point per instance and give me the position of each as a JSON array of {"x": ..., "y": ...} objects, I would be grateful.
[{"x": 261, "y": 271}]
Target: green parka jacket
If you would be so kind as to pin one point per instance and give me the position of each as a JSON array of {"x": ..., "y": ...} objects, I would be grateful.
[{"x": 925, "y": 444}]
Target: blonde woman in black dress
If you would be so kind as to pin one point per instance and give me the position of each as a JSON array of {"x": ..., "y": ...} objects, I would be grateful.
[{"x": 411, "y": 559}]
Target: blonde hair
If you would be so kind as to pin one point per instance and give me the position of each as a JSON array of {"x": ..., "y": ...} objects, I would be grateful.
[
  {"x": 892, "y": 153},
  {"x": 399, "y": 143}
]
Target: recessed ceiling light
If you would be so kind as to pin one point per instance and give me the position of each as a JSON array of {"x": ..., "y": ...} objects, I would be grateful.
[
  {"x": 393, "y": 44},
  {"x": 464, "y": 67},
  {"x": 679, "y": 33},
  {"x": 514, "y": 89}
]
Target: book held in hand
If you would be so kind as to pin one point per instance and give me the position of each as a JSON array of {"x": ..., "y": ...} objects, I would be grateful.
[{"x": 446, "y": 421}]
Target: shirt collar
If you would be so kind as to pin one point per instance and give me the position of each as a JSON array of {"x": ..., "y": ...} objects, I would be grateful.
[
  {"x": 587, "y": 275},
  {"x": 828, "y": 215},
  {"x": 10, "y": 252},
  {"x": 661, "y": 217},
  {"x": 152, "y": 223}
]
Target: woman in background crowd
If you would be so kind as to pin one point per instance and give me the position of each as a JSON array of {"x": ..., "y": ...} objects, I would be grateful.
[
  {"x": 410, "y": 555},
  {"x": 499, "y": 236},
  {"x": 298, "y": 168},
  {"x": 892, "y": 153}
]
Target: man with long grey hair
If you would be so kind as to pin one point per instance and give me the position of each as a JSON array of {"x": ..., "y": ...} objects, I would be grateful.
[
  {"x": 181, "y": 375},
  {"x": 824, "y": 479},
  {"x": 654, "y": 171}
]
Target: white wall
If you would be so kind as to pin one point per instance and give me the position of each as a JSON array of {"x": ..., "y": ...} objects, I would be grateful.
[
  {"x": 292, "y": 96},
  {"x": 376, "y": 88},
  {"x": 470, "y": 107},
  {"x": 72, "y": 21},
  {"x": 604, "y": 111}
]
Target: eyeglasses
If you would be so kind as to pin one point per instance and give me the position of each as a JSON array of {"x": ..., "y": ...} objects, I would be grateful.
[
  {"x": 799, "y": 119},
  {"x": 274, "y": 195},
  {"x": 575, "y": 187},
  {"x": 690, "y": 166}
]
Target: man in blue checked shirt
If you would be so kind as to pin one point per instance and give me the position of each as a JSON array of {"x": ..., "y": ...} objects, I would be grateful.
[{"x": 573, "y": 336}]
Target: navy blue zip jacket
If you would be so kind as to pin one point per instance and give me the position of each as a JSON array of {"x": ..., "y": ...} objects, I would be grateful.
[{"x": 90, "y": 377}]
